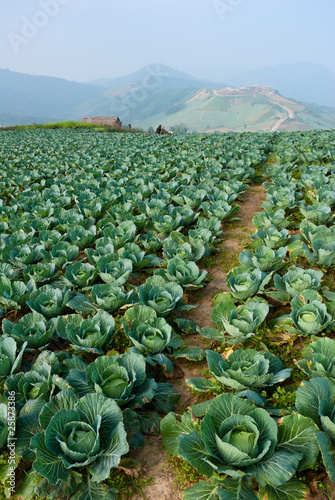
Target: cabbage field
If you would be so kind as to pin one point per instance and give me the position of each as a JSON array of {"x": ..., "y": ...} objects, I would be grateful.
[{"x": 109, "y": 248}]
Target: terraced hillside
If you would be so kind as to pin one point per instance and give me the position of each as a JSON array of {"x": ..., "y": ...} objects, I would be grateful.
[{"x": 258, "y": 108}]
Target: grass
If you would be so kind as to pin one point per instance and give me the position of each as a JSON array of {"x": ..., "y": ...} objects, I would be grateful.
[
  {"x": 72, "y": 125},
  {"x": 229, "y": 262},
  {"x": 210, "y": 262}
]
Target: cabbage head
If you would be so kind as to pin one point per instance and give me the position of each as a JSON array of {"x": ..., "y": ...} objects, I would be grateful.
[
  {"x": 41, "y": 273},
  {"x": 240, "y": 322},
  {"x": 151, "y": 336},
  {"x": 77, "y": 434},
  {"x": 122, "y": 378},
  {"x": 37, "y": 386},
  {"x": 32, "y": 330},
  {"x": 264, "y": 258},
  {"x": 79, "y": 275},
  {"x": 186, "y": 274},
  {"x": 271, "y": 237},
  {"x": 163, "y": 297},
  {"x": 309, "y": 314},
  {"x": 110, "y": 296},
  {"x": 245, "y": 282},
  {"x": 176, "y": 245},
  {"x": 243, "y": 442},
  {"x": 319, "y": 359},
  {"x": 318, "y": 213},
  {"x": 243, "y": 369},
  {"x": 50, "y": 301},
  {"x": 114, "y": 269},
  {"x": 90, "y": 334},
  {"x": 14, "y": 294},
  {"x": 294, "y": 282}
]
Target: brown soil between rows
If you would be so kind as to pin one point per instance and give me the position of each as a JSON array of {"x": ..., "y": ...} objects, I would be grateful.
[
  {"x": 153, "y": 455},
  {"x": 234, "y": 240}
]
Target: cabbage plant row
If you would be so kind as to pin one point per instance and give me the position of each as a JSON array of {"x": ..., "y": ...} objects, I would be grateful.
[
  {"x": 101, "y": 237},
  {"x": 246, "y": 448}
]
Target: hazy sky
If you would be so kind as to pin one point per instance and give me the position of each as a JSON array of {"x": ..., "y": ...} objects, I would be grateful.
[{"x": 87, "y": 39}]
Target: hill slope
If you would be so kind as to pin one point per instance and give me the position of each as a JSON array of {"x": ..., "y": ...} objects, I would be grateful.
[
  {"x": 25, "y": 98},
  {"x": 258, "y": 108}
]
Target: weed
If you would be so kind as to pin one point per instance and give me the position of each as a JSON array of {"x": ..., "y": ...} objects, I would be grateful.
[
  {"x": 329, "y": 279},
  {"x": 233, "y": 224},
  {"x": 297, "y": 217},
  {"x": 120, "y": 342},
  {"x": 230, "y": 262},
  {"x": 318, "y": 464},
  {"x": 185, "y": 474},
  {"x": 219, "y": 347},
  {"x": 325, "y": 489},
  {"x": 220, "y": 388},
  {"x": 205, "y": 372},
  {"x": 209, "y": 262},
  {"x": 129, "y": 485},
  {"x": 283, "y": 398},
  {"x": 288, "y": 354}
]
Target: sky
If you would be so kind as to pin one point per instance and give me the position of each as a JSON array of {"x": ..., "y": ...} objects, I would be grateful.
[{"x": 84, "y": 40}]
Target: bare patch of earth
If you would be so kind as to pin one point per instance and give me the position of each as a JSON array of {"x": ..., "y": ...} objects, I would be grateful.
[
  {"x": 153, "y": 455},
  {"x": 235, "y": 237}
]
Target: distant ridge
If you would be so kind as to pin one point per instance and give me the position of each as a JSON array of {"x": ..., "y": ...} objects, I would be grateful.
[
  {"x": 40, "y": 96},
  {"x": 159, "y": 73}
]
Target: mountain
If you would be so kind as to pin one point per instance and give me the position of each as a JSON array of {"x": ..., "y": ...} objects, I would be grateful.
[
  {"x": 156, "y": 74},
  {"x": 305, "y": 82},
  {"x": 159, "y": 94},
  {"x": 39, "y": 98}
]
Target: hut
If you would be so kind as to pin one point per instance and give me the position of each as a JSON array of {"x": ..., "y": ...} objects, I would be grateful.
[{"x": 110, "y": 121}]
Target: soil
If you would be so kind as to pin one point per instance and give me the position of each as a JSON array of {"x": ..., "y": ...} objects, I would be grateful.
[
  {"x": 153, "y": 455},
  {"x": 235, "y": 237}
]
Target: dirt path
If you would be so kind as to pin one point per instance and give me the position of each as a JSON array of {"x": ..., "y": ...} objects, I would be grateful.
[
  {"x": 235, "y": 239},
  {"x": 282, "y": 120},
  {"x": 153, "y": 455}
]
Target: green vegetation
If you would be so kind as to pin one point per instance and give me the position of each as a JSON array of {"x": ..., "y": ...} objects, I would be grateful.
[
  {"x": 70, "y": 125},
  {"x": 283, "y": 398},
  {"x": 103, "y": 241}
]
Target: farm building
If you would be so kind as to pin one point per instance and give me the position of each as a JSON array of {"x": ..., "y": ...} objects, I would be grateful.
[{"x": 111, "y": 121}]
